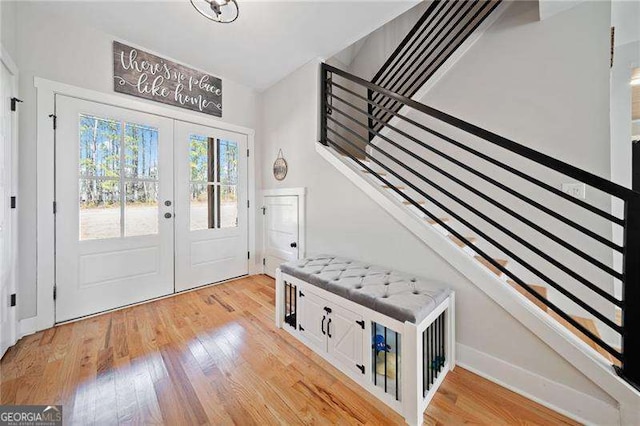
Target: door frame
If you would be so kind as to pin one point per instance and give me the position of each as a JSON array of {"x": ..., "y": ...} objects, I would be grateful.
[
  {"x": 301, "y": 193},
  {"x": 45, "y": 142},
  {"x": 8, "y": 62}
]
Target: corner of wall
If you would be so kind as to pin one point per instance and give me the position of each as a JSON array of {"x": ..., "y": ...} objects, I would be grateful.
[{"x": 8, "y": 27}]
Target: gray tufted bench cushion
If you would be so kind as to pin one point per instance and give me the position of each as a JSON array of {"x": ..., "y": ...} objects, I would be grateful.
[{"x": 394, "y": 294}]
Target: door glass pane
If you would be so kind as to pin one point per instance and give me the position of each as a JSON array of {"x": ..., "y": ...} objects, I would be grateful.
[
  {"x": 99, "y": 147},
  {"x": 202, "y": 206},
  {"x": 202, "y": 182},
  {"x": 228, "y": 194},
  {"x": 202, "y": 158},
  {"x": 115, "y": 155},
  {"x": 228, "y": 206},
  {"x": 99, "y": 209},
  {"x": 141, "y": 208},
  {"x": 141, "y": 151},
  {"x": 213, "y": 183},
  {"x": 228, "y": 162}
]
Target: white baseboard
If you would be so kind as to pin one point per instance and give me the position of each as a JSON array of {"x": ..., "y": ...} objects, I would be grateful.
[
  {"x": 558, "y": 397},
  {"x": 27, "y": 326}
]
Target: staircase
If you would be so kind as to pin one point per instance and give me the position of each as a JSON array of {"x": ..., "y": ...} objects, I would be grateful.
[{"x": 492, "y": 207}]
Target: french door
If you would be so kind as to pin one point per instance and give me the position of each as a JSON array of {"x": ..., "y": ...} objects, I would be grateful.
[
  {"x": 145, "y": 206},
  {"x": 211, "y": 205},
  {"x": 114, "y": 190}
]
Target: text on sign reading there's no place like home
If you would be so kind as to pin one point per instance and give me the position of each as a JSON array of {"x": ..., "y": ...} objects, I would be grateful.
[{"x": 148, "y": 76}]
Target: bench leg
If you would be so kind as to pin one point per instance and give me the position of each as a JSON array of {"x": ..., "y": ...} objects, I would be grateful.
[
  {"x": 412, "y": 375},
  {"x": 279, "y": 298}
]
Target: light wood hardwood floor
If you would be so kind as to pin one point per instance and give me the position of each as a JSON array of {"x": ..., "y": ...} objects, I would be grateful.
[{"x": 213, "y": 356}]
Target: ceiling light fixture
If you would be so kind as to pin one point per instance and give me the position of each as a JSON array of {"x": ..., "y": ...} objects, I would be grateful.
[{"x": 222, "y": 11}]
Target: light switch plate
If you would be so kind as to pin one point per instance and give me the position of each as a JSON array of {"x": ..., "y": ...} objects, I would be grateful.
[{"x": 575, "y": 189}]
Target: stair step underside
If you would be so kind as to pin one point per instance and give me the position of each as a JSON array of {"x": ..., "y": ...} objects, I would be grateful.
[
  {"x": 378, "y": 173},
  {"x": 461, "y": 243},
  {"x": 492, "y": 268},
  {"x": 590, "y": 325},
  {"x": 442, "y": 219},
  {"x": 357, "y": 155},
  {"x": 586, "y": 322},
  {"x": 401, "y": 188},
  {"x": 409, "y": 203},
  {"x": 541, "y": 290}
]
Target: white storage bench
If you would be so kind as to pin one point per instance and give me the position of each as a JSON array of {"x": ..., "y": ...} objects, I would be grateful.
[{"x": 390, "y": 332}]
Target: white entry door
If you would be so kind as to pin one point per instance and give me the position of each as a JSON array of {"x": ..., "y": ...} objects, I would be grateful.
[
  {"x": 7, "y": 217},
  {"x": 211, "y": 205},
  {"x": 281, "y": 231},
  {"x": 114, "y": 195}
]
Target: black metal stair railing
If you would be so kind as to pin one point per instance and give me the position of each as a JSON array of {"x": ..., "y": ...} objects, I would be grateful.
[
  {"x": 346, "y": 124},
  {"x": 441, "y": 29}
]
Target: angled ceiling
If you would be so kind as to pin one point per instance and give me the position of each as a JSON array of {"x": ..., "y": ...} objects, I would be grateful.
[{"x": 269, "y": 40}]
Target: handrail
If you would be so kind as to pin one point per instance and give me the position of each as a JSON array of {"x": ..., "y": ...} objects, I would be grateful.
[
  {"x": 524, "y": 151},
  {"x": 334, "y": 109}
]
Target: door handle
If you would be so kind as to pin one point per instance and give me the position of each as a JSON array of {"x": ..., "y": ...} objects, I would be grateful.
[
  {"x": 329, "y": 328},
  {"x": 167, "y": 215},
  {"x": 294, "y": 245},
  {"x": 323, "y": 318}
]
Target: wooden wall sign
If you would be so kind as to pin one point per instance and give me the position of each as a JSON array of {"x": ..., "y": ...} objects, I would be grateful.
[{"x": 148, "y": 76}]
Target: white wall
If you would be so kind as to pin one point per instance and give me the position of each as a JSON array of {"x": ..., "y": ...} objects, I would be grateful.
[
  {"x": 542, "y": 84},
  {"x": 380, "y": 44},
  {"x": 342, "y": 220},
  {"x": 549, "y": 8},
  {"x": 8, "y": 26},
  {"x": 69, "y": 53},
  {"x": 625, "y": 17}
]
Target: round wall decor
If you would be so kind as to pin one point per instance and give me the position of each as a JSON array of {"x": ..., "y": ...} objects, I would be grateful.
[{"x": 280, "y": 167}]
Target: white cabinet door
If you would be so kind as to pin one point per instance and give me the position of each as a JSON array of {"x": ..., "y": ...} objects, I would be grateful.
[
  {"x": 114, "y": 230},
  {"x": 280, "y": 231},
  {"x": 313, "y": 319},
  {"x": 345, "y": 338},
  {"x": 211, "y": 205}
]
